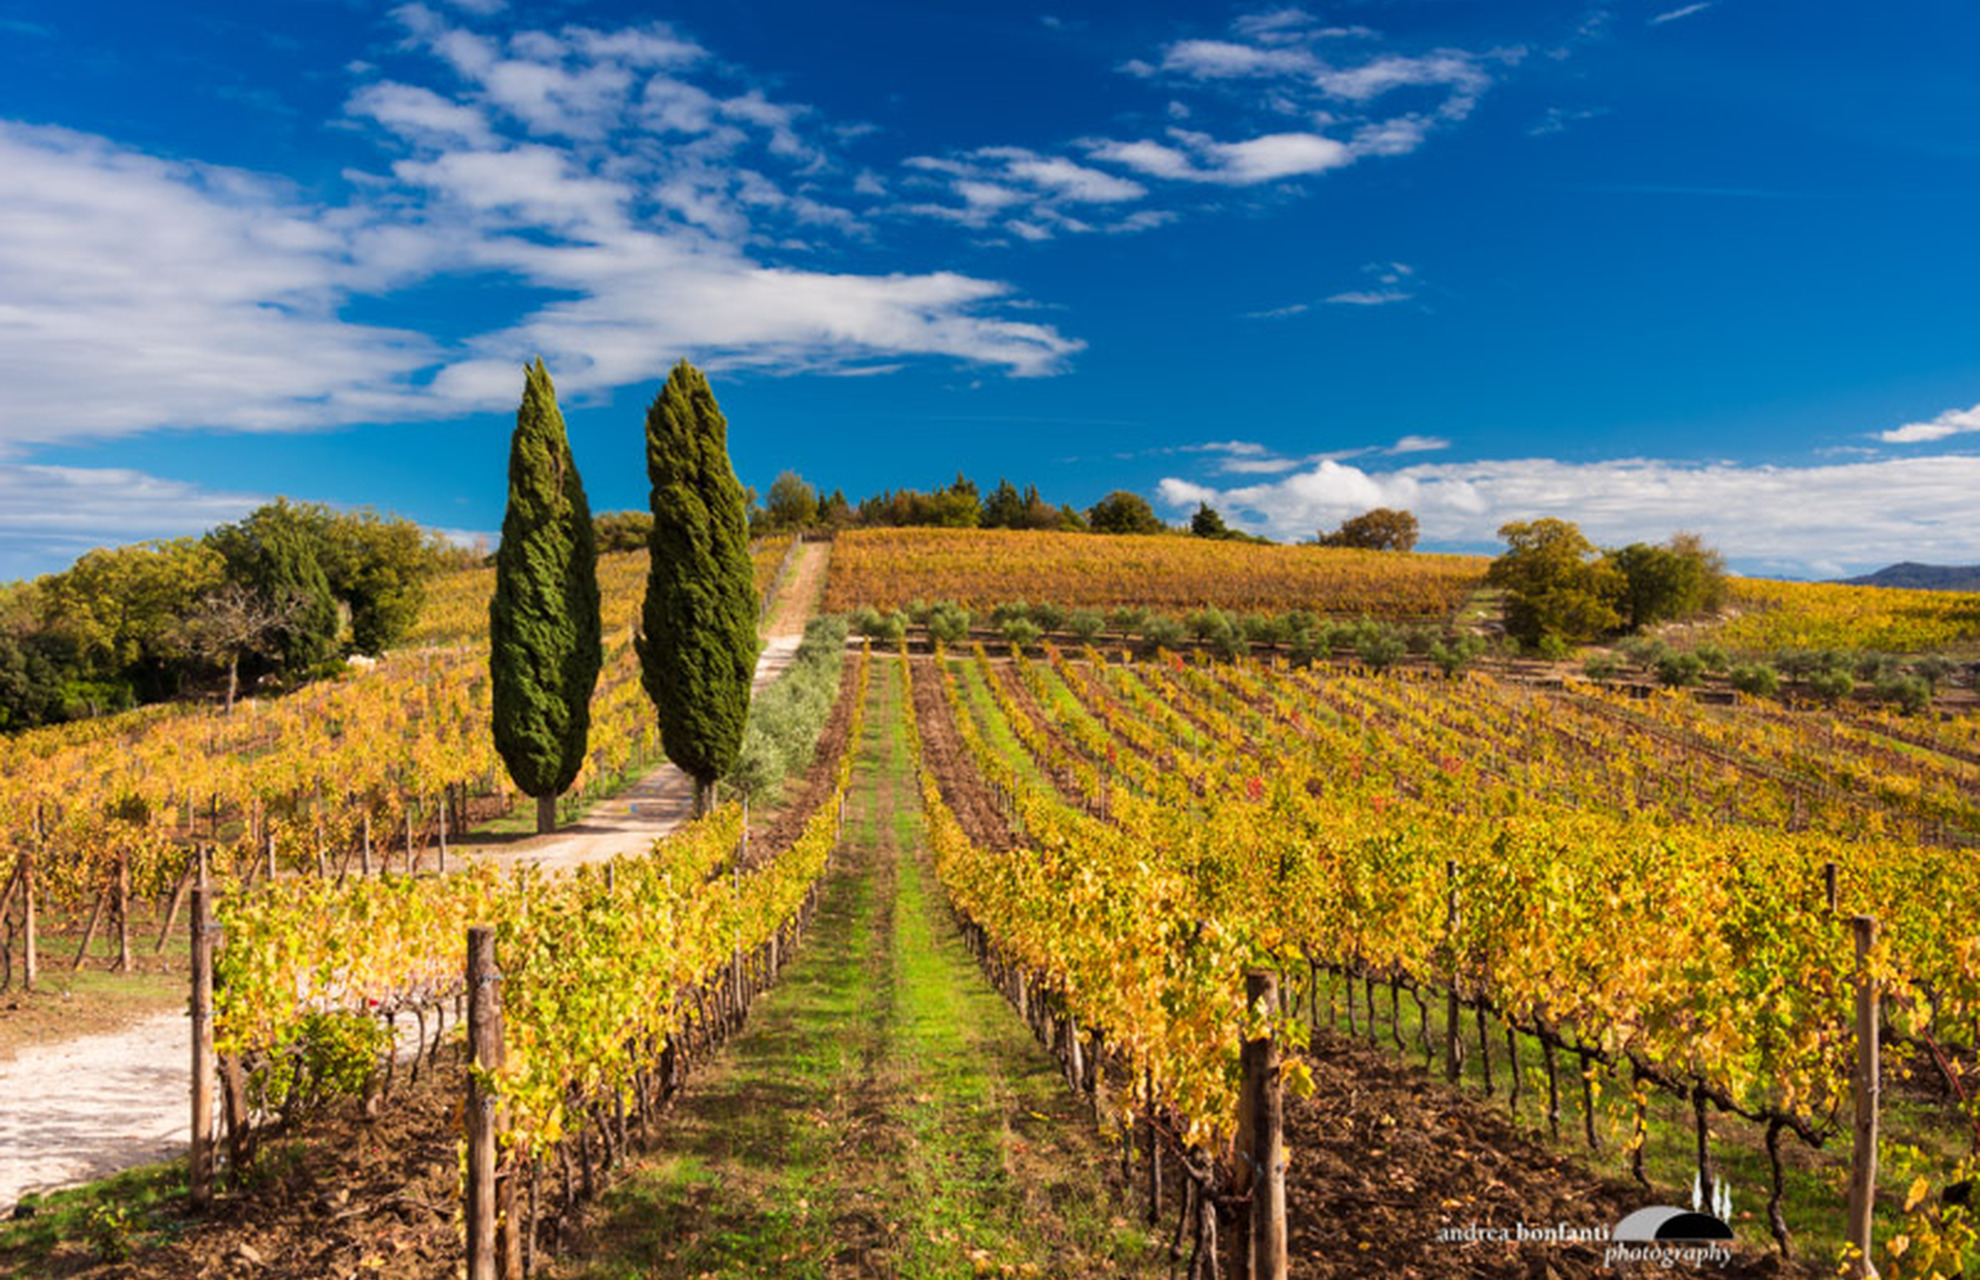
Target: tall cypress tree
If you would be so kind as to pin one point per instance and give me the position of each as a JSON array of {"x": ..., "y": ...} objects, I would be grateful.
[
  {"x": 543, "y": 631},
  {"x": 698, "y": 653}
]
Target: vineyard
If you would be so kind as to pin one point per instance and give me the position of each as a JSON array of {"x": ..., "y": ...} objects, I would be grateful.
[
  {"x": 1649, "y": 928},
  {"x": 888, "y": 568},
  {"x": 1821, "y": 615},
  {"x": 335, "y": 777},
  {"x": 1157, "y": 828}
]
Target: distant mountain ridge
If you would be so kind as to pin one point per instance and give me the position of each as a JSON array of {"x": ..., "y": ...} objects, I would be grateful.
[{"x": 1928, "y": 577}]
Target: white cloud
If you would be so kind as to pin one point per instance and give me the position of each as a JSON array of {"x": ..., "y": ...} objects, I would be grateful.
[
  {"x": 1449, "y": 68},
  {"x": 1369, "y": 297},
  {"x": 480, "y": 8},
  {"x": 1278, "y": 313},
  {"x": 1782, "y": 519},
  {"x": 1419, "y": 444},
  {"x": 144, "y": 293},
  {"x": 1072, "y": 181},
  {"x": 1950, "y": 423},
  {"x": 1030, "y": 195},
  {"x": 1560, "y": 119},
  {"x": 1201, "y": 158},
  {"x": 1685, "y": 12},
  {"x": 1220, "y": 59},
  {"x": 51, "y": 515},
  {"x": 420, "y": 115}
]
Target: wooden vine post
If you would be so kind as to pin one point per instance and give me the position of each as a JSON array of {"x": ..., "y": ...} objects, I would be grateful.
[
  {"x": 1453, "y": 1042},
  {"x": 1863, "y": 1158},
  {"x": 203, "y": 931},
  {"x": 29, "y": 963},
  {"x": 493, "y": 1246},
  {"x": 1261, "y": 1148}
]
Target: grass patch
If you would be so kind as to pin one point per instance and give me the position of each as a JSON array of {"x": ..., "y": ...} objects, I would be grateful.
[
  {"x": 105, "y": 1221},
  {"x": 884, "y": 1113}
]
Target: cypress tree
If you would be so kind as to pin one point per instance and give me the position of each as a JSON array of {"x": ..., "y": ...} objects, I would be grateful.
[
  {"x": 698, "y": 652},
  {"x": 543, "y": 631}
]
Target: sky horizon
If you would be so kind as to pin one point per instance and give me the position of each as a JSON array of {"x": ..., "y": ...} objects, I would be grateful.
[{"x": 1650, "y": 267}]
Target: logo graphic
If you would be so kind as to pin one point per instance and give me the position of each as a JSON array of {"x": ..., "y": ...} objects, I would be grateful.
[{"x": 1663, "y": 1223}]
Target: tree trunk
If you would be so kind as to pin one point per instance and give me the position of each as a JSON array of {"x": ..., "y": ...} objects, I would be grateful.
[
  {"x": 546, "y": 815},
  {"x": 704, "y": 796},
  {"x": 233, "y": 679}
]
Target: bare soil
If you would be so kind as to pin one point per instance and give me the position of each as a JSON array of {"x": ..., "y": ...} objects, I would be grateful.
[{"x": 942, "y": 749}]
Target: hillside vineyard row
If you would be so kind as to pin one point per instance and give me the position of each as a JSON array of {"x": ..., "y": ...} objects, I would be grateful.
[
  {"x": 1583, "y": 877},
  {"x": 383, "y": 750}
]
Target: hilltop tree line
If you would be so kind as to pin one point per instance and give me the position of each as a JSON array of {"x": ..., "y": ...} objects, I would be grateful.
[
  {"x": 793, "y": 505},
  {"x": 284, "y": 594}
]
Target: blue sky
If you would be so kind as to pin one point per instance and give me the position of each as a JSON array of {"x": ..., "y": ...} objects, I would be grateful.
[{"x": 1657, "y": 266}]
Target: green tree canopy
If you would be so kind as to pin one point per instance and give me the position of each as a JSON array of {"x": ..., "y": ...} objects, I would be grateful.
[
  {"x": 792, "y": 503},
  {"x": 1556, "y": 585},
  {"x": 1381, "y": 529},
  {"x": 1207, "y": 523},
  {"x": 1680, "y": 578},
  {"x": 278, "y": 551},
  {"x": 622, "y": 530},
  {"x": 544, "y": 646},
  {"x": 1123, "y": 512},
  {"x": 698, "y": 647},
  {"x": 124, "y": 606}
]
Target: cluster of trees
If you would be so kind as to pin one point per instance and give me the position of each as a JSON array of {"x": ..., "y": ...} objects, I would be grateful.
[
  {"x": 288, "y": 592},
  {"x": 1560, "y": 588},
  {"x": 1382, "y": 529},
  {"x": 792, "y": 504},
  {"x": 697, "y": 635}
]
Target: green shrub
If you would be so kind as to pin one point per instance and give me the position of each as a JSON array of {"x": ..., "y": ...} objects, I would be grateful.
[
  {"x": 1831, "y": 685},
  {"x": 1086, "y": 625},
  {"x": 1553, "y": 648},
  {"x": 1876, "y": 668},
  {"x": 1910, "y": 694},
  {"x": 1129, "y": 621},
  {"x": 1207, "y": 624},
  {"x": 786, "y": 718},
  {"x": 1265, "y": 628},
  {"x": 1756, "y": 678},
  {"x": 1715, "y": 658},
  {"x": 1933, "y": 668},
  {"x": 949, "y": 623},
  {"x": 1603, "y": 667},
  {"x": 1049, "y": 617},
  {"x": 1165, "y": 633},
  {"x": 1645, "y": 651},
  {"x": 1379, "y": 648},
  {"x": 1020, "y": 632},
  {"x": 1454, "y": 653},
  {"x": 1679, "y": 670}
]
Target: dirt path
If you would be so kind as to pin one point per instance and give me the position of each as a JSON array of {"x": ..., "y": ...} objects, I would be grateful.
[
  {"x": 79, "y": 1109},
  {"x": 85, "y": 1108}
]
